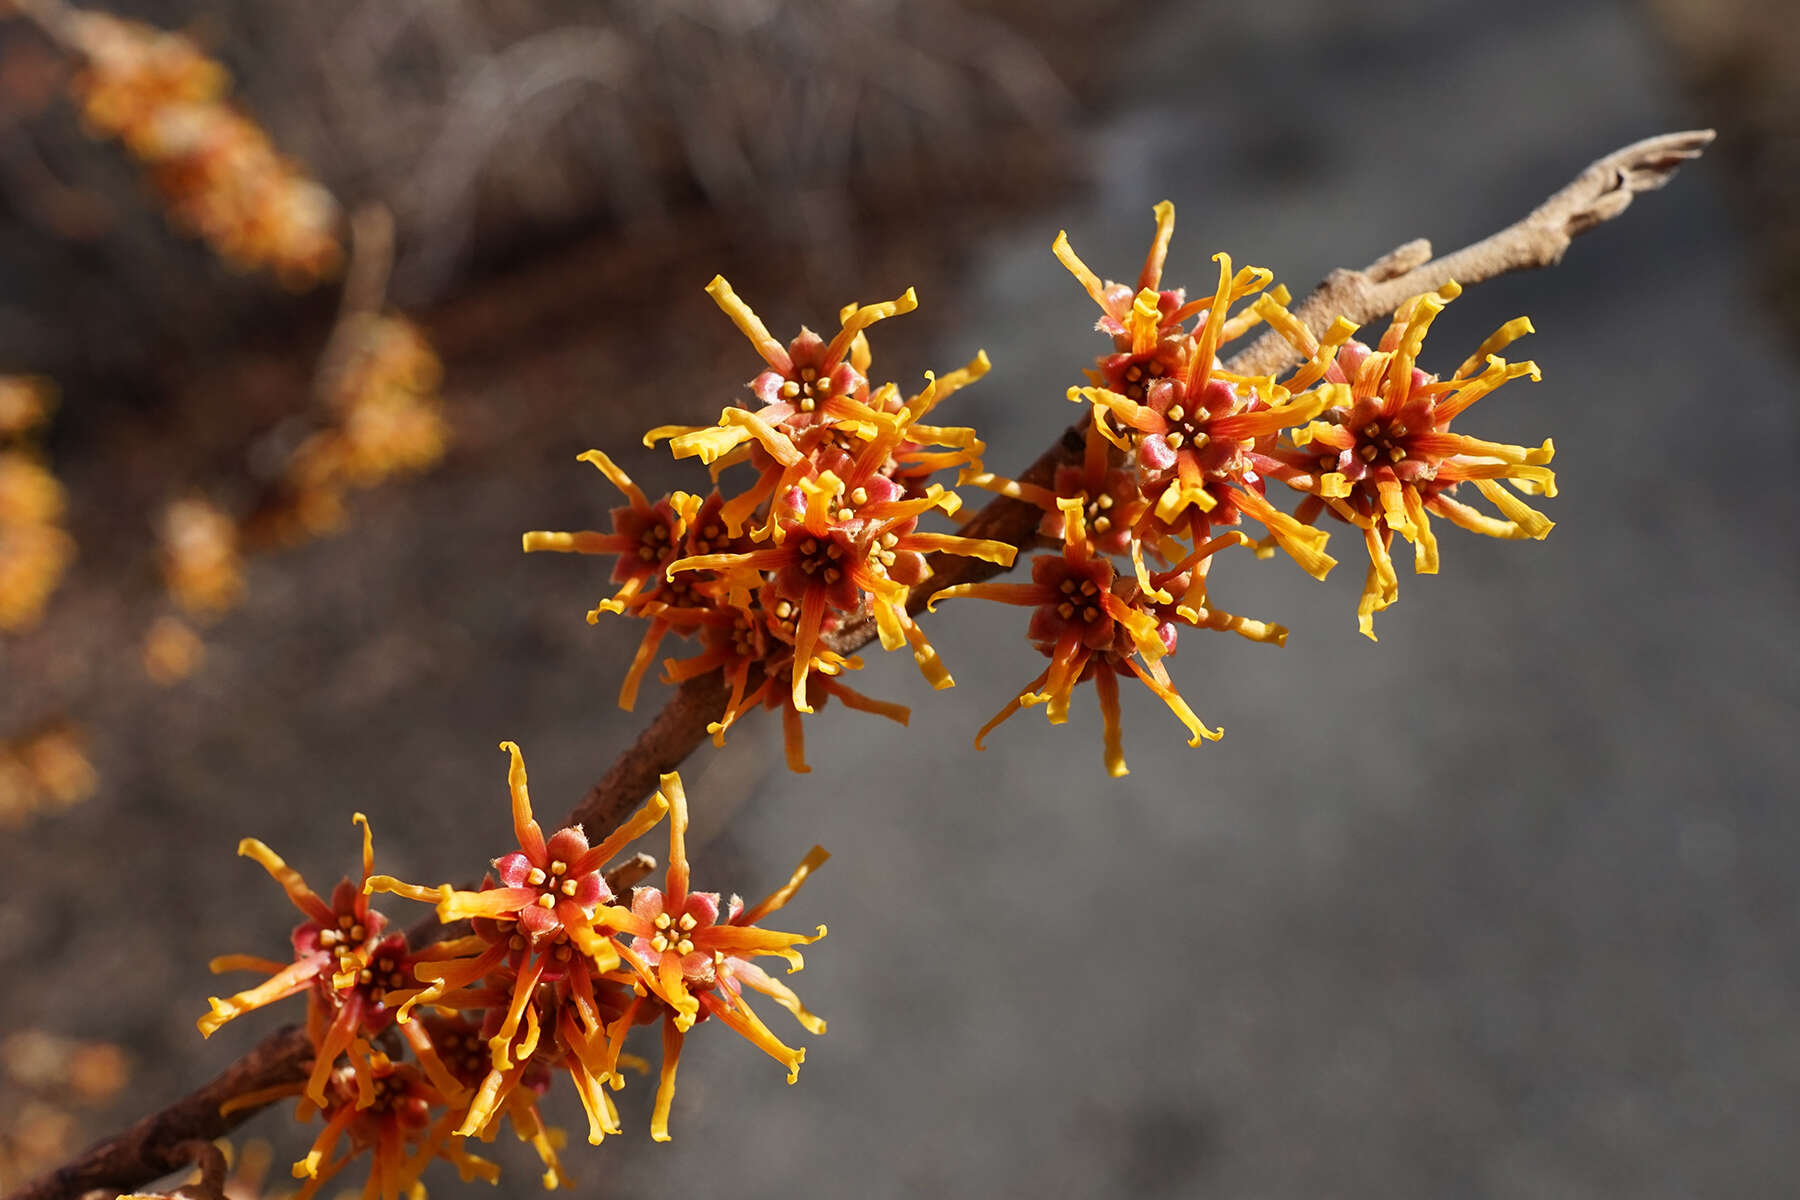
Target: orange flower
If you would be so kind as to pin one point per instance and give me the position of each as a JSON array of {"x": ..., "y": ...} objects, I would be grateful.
[
  {"x": 1164, "y": 398},
  {"x": 841, "y": 541},
  {"x": 646, "y": 538},
  {"x": 1192, "y": 435},
  {"x": 33, "y": 559},
  {"x": 388, "y": 417},
  {"x": 809, "y": 384},
  {"x": 818, "y": 411},
  {"x": 1111, "y": 504},
  {"x": 1094, "y": 626},
  {"x": 342, "y": 960},
  {"x": 453, "y": 1053},
  {"x": 693, "y": 958},
  {"x": 538, "y": 919},
  {"x": 35, "y": 550},
  {"x": 827, "y": 531},
  {"x": 1383, "y": 456},
  {"x": 540, "y": 963},
  {"x": 755, "y": 641},
  {"x": 391, "y": 1111}
]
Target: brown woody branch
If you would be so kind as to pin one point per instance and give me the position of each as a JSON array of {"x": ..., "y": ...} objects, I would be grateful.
[
  {"x": 1600, "y": 193},
  {"x": 211, "y": 1160}
]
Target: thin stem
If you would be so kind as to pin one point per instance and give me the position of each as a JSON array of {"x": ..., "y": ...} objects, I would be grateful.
[
  {"x": 362, "y": 298},
  {"x": 211, "y": 1161},
  {"x": 51, "y": 17}
]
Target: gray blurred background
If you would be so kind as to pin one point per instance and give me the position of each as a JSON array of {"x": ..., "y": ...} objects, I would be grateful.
[{"x": 1500, "y": 907}]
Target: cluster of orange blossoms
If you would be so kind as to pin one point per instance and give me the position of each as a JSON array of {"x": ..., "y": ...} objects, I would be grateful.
[
  {"x": 215, "y": 169},
  {"x": 44, "y": 770},
  {"x": 1179, "y": 455},
  {"x": 198, "y": 551},
  {"x": 418, "y": 1049},
  {"x": 384, "y": 417},
  {"x": 35, "y": 549},
  {"x": 824, "y": 531},
  {"x": 48, "y": 1087},
  {"x": 1180, "y": 452},
  {"x": 171, "y": 651}
]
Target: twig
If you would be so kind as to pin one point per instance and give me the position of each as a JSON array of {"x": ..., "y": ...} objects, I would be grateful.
[
  {"x": 1598, "y": 194},
  {"x": 660, "y": 748},
  {"x": 362, "y": 298},
  {"x": 210, "y": 1185},
  {"x": 52, "y": 18},
  {"x": 211, "y": 1161}
]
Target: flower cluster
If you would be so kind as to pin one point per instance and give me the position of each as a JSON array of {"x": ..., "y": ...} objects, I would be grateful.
[
  {"x": 49, "y": 1088},
  {"x": 166, "y": 101},
  {"x": 45, "y": 770},
  {"x": 1179, "y": 453},
  {"x": 384, "y": 418},
  {"x": 825, "y": 532},
  {"x": 418, "y": 1049},
  {"x": 35, "y": 549},
  {"x": 1383, "y": 458},
  {"x": 24, "y": 405},
  {"x": 171, "y": 651},
  {"x": 198, "y": 551}
]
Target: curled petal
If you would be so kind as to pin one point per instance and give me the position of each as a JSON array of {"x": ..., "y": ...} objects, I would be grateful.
[
  {"x": 815, "y": 858},
  {"x": 1106, "y": 684},
  {"x": 1157, "y": 680},
  {"x": 1534, "y": 523},
  {"x": 304, "y": 898},
  {"x": 290, "y": 980},
  {"x": 489, "y": 903},
  {"x": 619, "y": 479},
  {"x": 985, "y": 549},
  {"x": 753, "y": 976},
  {"x": 1150, "y": 277},
  {"x": 744, "y": 1021},
  {"x": 863, "y": 316},
  {"x": 531, "y": 838},
  {"x": 639, "y": 823},
  {"x": 1090, "y": 282},
  {"x": 665, "y": 1085},
  {"x": 710, "y": 443},
  {"x": 412, "y": 891},
  {"x": 749, "y": 324}
]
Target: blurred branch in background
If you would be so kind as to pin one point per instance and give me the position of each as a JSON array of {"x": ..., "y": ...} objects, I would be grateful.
[
  {"x": 1738, "y": 58},
  {"x": 465, "y": 137},
  {"x": 488, "y": 128}
]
